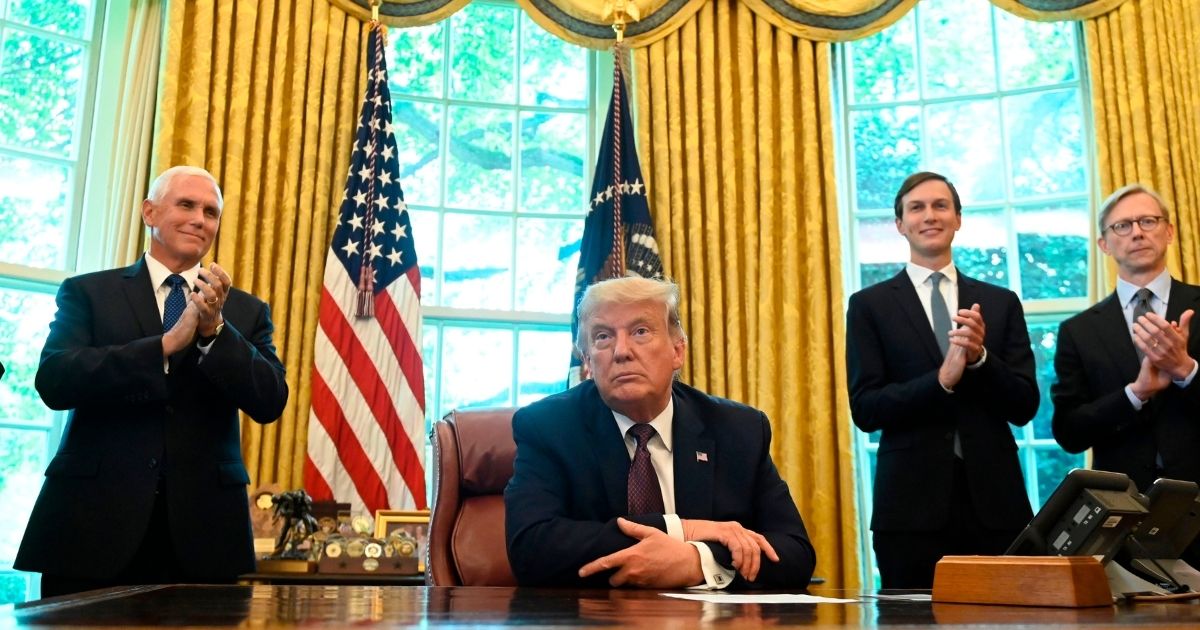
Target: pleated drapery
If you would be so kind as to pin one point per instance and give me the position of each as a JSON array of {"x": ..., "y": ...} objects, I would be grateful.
[
  {"x": 1144, "y": 62},
  {"x": 265, "y": 96},
  {"x": 119, "y": 171},
  {"x": 737, "y": 146}
]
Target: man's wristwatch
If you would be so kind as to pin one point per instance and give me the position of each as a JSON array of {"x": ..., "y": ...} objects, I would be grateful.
[{"x": 207, "y": 339}]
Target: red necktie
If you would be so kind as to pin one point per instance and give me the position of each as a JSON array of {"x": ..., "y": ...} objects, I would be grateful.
[{"x": 645, "y": 496}]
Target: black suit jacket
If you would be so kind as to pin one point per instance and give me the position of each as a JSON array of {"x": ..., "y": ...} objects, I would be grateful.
[
  {"x": 569, "y": 486},
  {"x": 130, "y": 423},
  {"x": 892, "y": 359},
  {"x": 1096, "y": 359}
]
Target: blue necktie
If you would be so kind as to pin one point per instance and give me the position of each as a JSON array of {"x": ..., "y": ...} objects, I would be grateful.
[{"x": 175, "y": 303}]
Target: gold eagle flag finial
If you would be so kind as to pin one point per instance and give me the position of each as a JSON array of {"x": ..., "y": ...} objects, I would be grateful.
[{"x": 620, "y": 12}]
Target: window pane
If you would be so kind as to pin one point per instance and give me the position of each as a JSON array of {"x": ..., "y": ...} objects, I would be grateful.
[
  {"x": 956, "y": 44},
  {"x": 546, "y": 264},
  {"x": 41, "y": 82},
  {"x": 553, "y": 73},
  {"x": 477, "y": 263},
  {"x": 1045, "y": 137},
  {"x": 1044, "y": 338},
  {"x": 981, "y": 247},
  {"x": 884, "y": 65},
  {"x": 418, "y": 128},
  {"x": 553, "y": 162},
  {"x": 964, "y": 145},
  {"x": 887, "y": 148},
  {"x": 479, "y": 169},
  {"x": 429, "y": 357},
  {"x": 483, "y": 53},
  {"x": 425, "y": 239},
  {"x": 24, "y": 324},
  {"x": 1035, "y": 53},
  {"x": 35, "y": 199},
  {"x": 542, "y": 363},
  {"x": 476, "y": 367},
  {"x": 1053, "y": 465},
  {"x": 69, "y": 17},
  {"x": 881, "y": 251},
  {"x": 415, "y": 60},
  {"x": 22, "y": 462},
  {"x": 1053, "y": 243}
]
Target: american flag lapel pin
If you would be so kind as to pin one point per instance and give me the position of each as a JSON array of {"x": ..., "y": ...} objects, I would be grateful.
[{"x": 701, "y": 456}]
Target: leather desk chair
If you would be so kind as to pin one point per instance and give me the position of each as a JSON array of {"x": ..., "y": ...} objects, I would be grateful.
[{"x": 473, "y": 454}]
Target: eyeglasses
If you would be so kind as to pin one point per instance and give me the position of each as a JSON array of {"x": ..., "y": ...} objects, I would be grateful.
[{"x": 1123, "y": 228}]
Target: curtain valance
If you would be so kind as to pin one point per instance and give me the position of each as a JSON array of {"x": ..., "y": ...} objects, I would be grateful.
[{"x": 589, "y": 22}]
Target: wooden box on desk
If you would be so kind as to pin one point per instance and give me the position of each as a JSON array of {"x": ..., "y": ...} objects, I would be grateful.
[
  {"x": 1063, "y": 581},
  {"x": 396, "y": 565}
]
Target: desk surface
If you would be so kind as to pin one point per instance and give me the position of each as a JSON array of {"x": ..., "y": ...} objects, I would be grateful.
[{"x": 358, "y": 606}]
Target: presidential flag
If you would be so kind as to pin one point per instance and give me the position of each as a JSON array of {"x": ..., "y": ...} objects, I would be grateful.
[
  {"x": 366, "y": 427},
  {"x": 618, "y": 234}
]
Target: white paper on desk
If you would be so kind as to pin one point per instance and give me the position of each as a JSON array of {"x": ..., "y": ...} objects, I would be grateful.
[
  {"x": 788, "y": 598},
  {"x": 903, "y": 597}
]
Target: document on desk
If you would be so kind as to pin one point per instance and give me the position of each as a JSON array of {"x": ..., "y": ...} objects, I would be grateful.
[{"x": 740, "y": 598}]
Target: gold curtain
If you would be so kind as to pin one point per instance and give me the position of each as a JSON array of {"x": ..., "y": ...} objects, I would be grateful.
[
  {"x": 1144, "y": 61},
  {"x": 736, "y": 140},
  {"x": 265, "y": 96}
]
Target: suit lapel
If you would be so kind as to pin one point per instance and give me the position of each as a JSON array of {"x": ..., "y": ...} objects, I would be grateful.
[
  {"x": 694, "y": 456},
  {"x": 1114, "y": 336},
  {"x": 140, "y": 297},
  {"x": 906, "y": 298},
  {"x": 612, "y": 458}
]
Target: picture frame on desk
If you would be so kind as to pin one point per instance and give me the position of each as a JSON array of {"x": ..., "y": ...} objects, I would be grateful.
[{"x": 413, "y": 522}]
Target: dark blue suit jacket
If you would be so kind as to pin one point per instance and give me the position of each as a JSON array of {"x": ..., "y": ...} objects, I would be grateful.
[
  {"x": 569, "y": 486},
  {"x": 892, "y": 361},
  {"x": 1096, "y": 359},
  {"x": 130, "y": 424}
]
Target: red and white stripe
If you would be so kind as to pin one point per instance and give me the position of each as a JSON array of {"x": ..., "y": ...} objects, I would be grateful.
[{"x": 366, "y": 430}]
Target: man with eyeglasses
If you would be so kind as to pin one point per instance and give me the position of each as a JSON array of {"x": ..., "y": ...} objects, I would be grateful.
[{"x": 1126, "y": 367}]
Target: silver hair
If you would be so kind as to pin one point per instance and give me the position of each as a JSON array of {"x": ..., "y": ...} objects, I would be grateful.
[
  {"x": 631, "y": 288},
  {"x": 162, "y": 183},
  {"x": 1106, "y": 207}
]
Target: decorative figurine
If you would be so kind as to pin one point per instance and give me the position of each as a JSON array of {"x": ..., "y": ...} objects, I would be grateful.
[{"x": 295, "y": 508}]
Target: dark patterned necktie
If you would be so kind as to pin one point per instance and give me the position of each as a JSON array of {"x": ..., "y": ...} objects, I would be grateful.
[
  {"x": 645, "y": 496},
  {"x": 175, "y": 303},
  {"x": 1141, "y": 306}
]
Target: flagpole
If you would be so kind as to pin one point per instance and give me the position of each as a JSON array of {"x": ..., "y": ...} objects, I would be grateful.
[
  {"x": 375, "y": 10},
  {"x": 620, "y": 12}
]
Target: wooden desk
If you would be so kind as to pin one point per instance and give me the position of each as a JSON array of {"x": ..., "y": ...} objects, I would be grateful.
[{"x": 357, "y": 606}]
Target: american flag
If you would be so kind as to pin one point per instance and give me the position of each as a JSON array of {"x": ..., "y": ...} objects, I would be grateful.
[
  {"x": 618, "y": 199},
  {"x": 367, "y": 424}
]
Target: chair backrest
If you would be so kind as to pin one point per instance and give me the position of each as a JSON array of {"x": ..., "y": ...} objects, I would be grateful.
[{"x": 473, "y": 453}]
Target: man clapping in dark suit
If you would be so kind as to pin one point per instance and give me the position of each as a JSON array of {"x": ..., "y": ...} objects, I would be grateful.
[
  {"x": 1127, "y": 366},
  {"x": 941, "y": 364},
  {"x": 633, "y": 479},
  {"x": 153, "y": 361}
]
